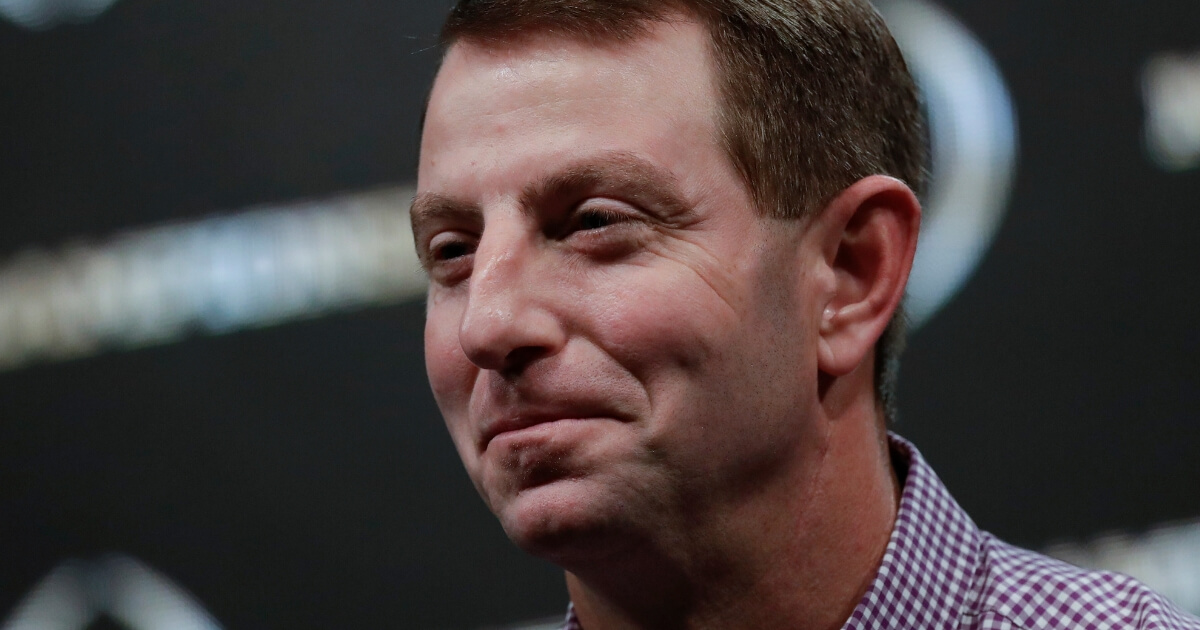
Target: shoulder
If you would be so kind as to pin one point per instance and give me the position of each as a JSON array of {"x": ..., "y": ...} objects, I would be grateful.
[{"x": 1021, "y": 590}]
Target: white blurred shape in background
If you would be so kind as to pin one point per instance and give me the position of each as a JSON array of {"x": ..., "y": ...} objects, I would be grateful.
[
  {"x": 1171, "y": 90},
  {"x": 255, "y": 268},
  {"x": 76, "y": 594},
  {"x": 1166, "y": 558},
  {"x": 42, "y": 14},
  {"x": 973, "y": 137}
]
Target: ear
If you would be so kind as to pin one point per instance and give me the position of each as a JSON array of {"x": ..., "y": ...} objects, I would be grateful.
[{"x": 868, "y": 238}]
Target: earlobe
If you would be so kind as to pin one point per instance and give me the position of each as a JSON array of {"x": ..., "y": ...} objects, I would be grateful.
[
  {"x": 869, "y": 234},
  {"x": 827, "y": 319}
]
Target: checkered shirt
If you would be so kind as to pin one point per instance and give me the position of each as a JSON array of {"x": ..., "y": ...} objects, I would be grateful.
[{"x": 940, "y": 571}]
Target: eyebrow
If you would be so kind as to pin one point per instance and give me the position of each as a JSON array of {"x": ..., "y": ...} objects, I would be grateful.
[
  {"x": 621, "y": 173},
  {"x": 428, "y": 208},
  {"x": 431, "y": 206}
]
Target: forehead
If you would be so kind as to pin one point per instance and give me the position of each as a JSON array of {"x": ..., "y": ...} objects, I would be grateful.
[
  {"x": 538, "y": 100},
  {"x": 676, "y": 47}
]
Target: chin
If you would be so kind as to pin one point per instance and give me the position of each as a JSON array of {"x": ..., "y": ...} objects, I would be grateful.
[{"x": 564, "y": 521}]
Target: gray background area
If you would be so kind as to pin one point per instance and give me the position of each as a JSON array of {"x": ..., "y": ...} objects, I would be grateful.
[{"x": 299, "y": 476}]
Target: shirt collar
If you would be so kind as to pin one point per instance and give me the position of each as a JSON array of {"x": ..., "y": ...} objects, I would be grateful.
[
  {"x": 925, "y": 578},
  {"x": 931, "y": 560}
]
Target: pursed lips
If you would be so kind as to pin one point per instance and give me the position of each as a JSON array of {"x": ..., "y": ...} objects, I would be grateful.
[{"x": 518, "y": 422}]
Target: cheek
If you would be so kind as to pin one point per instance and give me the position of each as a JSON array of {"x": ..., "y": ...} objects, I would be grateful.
[
  {"x": 451, "y": 377},
  {"x": 705, "y": 355},
  {"x": 662, "y": 327},
  {"x": 450, "y": 373}
]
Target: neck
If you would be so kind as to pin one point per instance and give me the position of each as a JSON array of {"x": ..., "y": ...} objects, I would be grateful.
[{"x": 800, "y": 553}]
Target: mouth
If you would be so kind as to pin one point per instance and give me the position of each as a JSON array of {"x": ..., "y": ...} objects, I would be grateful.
[
  {"x": 528, "y": 424},
  {"x": 514, "y": 425}
]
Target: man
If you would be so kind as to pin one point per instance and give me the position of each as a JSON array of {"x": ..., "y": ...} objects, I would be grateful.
[{"x": 664, "y": 240}]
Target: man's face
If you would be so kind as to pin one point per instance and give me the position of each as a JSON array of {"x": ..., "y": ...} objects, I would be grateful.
[{"x": 616, "y": 339}]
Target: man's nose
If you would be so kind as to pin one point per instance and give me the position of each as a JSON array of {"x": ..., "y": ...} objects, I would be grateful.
[{"x": 509, "y": 322}]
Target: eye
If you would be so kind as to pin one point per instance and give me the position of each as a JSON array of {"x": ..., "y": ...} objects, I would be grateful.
[
  {"x": 448, "y": 257},
  {"x": 597, "y": 214},
  {"x": 596, "y": 218},
  {"x": 603, "y": 229},
  {"x": 450, "y": 250}
]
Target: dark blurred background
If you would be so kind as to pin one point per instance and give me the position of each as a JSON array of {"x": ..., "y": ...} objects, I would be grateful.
[{"x": 293, "y": 471}]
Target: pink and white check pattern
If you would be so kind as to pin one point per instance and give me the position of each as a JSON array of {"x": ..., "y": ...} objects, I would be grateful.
[{"x": 942, "y": 572}]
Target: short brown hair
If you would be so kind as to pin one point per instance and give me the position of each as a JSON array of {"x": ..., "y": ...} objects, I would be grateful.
[{"x": 816, "y": 95}]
